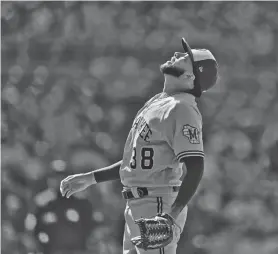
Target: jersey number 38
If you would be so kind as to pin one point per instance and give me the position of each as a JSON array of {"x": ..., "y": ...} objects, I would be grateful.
[{"x": 146, "y": 158}]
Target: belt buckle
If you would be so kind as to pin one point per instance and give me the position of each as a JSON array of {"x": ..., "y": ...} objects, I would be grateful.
[{"x": 140, "y": 192}]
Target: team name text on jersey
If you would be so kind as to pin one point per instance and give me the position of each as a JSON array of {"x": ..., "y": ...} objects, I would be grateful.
[{"x": 143, "y": 128}]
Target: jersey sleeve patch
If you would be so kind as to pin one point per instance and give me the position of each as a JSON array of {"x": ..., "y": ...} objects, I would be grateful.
[
  {"x": 192, "y": 133},
  {"x": 189, "y": 154}
]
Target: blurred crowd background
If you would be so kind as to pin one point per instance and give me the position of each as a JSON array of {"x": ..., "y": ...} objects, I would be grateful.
[{"x": 74, "y": 74}]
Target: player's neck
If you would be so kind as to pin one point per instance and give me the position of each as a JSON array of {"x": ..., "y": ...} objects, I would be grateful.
[{"x": 172, "y": 87}]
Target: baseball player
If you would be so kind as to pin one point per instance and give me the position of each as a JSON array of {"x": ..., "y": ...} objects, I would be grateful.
[{"x": 163, "y": 158}]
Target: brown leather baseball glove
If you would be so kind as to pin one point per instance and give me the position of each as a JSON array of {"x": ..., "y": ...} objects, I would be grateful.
[{"x": 155, "y": 232}]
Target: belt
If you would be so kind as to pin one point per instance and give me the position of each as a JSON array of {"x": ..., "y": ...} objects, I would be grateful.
[{"x": 140, "y": 192}]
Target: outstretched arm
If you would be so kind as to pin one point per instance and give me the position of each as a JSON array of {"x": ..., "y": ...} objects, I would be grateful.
[
  {"x": 190, "y": 183},
  {"x": 105, "y": 174},
  {"x": 79, "y": 182}
]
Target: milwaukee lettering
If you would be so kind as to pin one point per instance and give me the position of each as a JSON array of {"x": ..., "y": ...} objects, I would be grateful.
[{"x": 143, "y": 128}]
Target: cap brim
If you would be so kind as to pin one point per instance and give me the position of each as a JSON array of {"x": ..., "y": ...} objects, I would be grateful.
[
  {"x": 196, "y": 91},
  {"x": 187, "y": 49}
]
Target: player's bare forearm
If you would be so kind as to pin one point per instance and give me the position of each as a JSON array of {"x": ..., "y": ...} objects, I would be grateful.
[
  {"x": 190, "y": 183},
  {"x": 108, "y": 173},
  {"x": 79, "y": 182}
]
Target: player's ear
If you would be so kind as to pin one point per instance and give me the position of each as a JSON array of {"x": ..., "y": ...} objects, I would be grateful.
[
  {"x": 187, "y": 76},
  {"x": 190, "y": 76}
]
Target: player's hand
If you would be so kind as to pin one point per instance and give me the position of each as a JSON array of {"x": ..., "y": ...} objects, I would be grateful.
[{"x": 75, "y": 183}]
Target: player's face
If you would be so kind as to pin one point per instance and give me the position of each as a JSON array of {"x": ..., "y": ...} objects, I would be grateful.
[{"x": 178, "y": 65}]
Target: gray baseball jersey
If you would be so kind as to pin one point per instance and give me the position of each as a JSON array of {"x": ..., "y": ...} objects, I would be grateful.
[{"x": 165, "y": 130}]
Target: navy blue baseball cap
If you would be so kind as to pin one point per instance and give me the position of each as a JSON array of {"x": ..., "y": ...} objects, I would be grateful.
[{"x": 205, "y": 68}]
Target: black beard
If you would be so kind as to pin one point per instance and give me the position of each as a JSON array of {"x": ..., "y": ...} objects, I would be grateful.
[{"x": 171, "y": 70}]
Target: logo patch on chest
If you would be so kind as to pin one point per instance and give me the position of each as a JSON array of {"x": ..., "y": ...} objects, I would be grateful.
[{"x": 192, "y": 133}]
